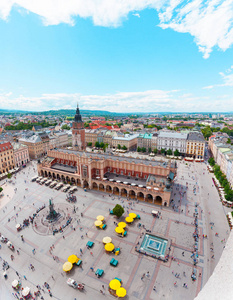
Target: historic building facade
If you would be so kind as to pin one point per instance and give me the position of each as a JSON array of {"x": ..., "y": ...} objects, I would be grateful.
[
  {"x": 149, "y": 181},
  {"x": 6, "y": 157},
  {"x": 78, "y": 132}
]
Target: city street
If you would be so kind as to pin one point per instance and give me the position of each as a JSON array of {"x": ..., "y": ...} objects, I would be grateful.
[{"x": 176, "y": 222}]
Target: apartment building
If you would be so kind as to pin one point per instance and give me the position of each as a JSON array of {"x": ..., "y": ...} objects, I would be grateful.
[
  {"x": 6, "y": 157},
  {"x": 195, "y": 145},
  {"x": 129, "y": 141},
  {"x": 21, "y": 154},
  {"x": 35, "y": 146},
  {"x": 172, "y": 140}
]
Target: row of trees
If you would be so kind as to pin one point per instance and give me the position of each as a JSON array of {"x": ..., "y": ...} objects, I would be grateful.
[
  {"x": 28, "y": 126},
  {"x": 162, "y": 151},
  {"x": 208, "y": 131},
  {"x": 222, "y": 179}
]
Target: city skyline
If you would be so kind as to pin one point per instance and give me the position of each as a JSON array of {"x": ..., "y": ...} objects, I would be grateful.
[{"x": 141, "y": 57}]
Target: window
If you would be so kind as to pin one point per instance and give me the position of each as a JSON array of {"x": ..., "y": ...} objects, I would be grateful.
[
  {"x": 97, "y": 172},
  {"x": 122, "y": 173},
  {"x": 145, "y": 177},
  {"x": 129, "y": 174}
]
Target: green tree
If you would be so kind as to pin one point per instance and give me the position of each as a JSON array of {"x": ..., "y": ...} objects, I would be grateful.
[
  {"x": 143, "y": 149},
  {"x": 169, "y": 152},
  {"x": 118, "y": 210},
  {"x": 9, "y": 176},
  {"x": 89, "y": 144},
  {"x": 149, "y": 150},
  {"x": 163, "y": 151},
  {"x": 65, "y": 126},
  {"x": 97, "y": 144},
  {"x": 124, "y": 148},
  {"x": 176, "y": 153},
  {"x": 1, "y": 189},
  {"x": 102, "y": 145},
  {"x": 155, "y": 151},
  {"x": 119, "y": 146},
  {"x": 211, "y": 161},
  {"x": 139, "y": 149}
]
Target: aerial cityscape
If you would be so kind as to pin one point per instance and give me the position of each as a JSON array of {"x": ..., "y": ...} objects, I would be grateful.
[{"x": 116, "y": 148}]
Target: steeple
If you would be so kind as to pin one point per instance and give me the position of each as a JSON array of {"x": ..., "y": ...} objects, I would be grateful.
[{"x": 78, "y": 117}]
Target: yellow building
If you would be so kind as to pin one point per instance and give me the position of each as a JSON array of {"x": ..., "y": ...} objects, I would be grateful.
[
  {"x": 195, "y": 146},
  {"x": 6, "y": 157}
]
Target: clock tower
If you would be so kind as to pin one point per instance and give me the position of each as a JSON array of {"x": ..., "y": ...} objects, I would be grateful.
[{"x": 78, "y": 132}]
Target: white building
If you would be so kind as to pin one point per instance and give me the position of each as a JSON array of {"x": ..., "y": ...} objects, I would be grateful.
[
  {"x": 172, "y": 140},
  {"x": 21, "y": 154}
]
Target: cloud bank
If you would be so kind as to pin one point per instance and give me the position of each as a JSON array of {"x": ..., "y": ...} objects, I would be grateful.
[
  {"x": 145, "y": 101},
  {"x": 210, "y": 22}
]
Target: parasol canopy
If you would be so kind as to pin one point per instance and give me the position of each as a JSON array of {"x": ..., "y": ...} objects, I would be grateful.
[
  {"x": 109, "y": 247},
  {"x": 73, "y": 259},
  {"x": 114, "y": 284},
  {"x": 98, "y": 223},
  {"x": 100, "y": 218},
  {"x": 121, "y": 292},
  {"x": 67, "y": 266},
  {"x": 129, "y": 220},
  {"x": 25, "y": 291},
  {"x": 119, "y": 229},
  {"x": 132, "y": 215},
  {"x": 107, "y": 240},
  {"x": 121, "y": 224},
  {"x": 15, "y": 283}
]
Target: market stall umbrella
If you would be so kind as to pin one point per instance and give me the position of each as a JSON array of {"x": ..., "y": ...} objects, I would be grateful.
[
  {"x": 107, "y": 240},
  {"x": 109, "y": 247},
  {"x": 121, "y": 292},
  {"x": 121, "y": 224},
  {"x": 25, "y": 291},
  {"x": 119, "y": 229},
  {"x": 67, "y": 266},
  {"x": 15, "y": 283},
  {"x": 114, "y": 284},
  {"x": 132, "y": 215},
  {"x": 129, "y": 220},
  {"x": 100, "y": 218},
  {"x": 73, "y": 259},
  {"x": 98, "y": 223}
]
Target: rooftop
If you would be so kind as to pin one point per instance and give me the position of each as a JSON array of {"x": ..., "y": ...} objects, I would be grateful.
[
  {"x": 119, "y": 158},
  {"x": 173, "y": 134},
  {"x": 64, "y": 168}
]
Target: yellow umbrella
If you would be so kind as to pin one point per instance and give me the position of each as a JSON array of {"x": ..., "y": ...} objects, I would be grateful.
[
  {"x": 98, "y": 223},
  {"x": 119, "y": 229},
  {"x": 129, "y": 220},
  {"x": 73, "y": 259},
  {"x": 122, "y": 224},
  {"x": 132, "y": 215},
  {"x": 67, "y": 266},
  {"x": 121, "y": 292},
  {"x": 100, "y": 218},
  {"x": 109, "y": 247},
  {"x": 107, "y": 240},
  {"x": 114, "y": 284}
]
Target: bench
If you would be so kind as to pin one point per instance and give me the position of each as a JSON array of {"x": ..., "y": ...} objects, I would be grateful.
[
  {"x": 118, "y": 279},
  {"x": 117, "y": 250},
  {"x": 79, "y": 262},
  {"x": 99, "y": 272},
  {"x": 138, "y": 217},
  {"x": 113, "y": 262},
  {"x": 125, "y": 233},
  {"x": 89, "y": 244},
  {"x": 111, "y": 212}
]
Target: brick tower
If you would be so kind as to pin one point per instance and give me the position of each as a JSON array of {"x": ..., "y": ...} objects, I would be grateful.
[{"x": 78, "y": 132}]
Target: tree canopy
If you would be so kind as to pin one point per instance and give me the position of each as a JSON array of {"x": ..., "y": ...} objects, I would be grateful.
[{"x": 118, "y": 210}]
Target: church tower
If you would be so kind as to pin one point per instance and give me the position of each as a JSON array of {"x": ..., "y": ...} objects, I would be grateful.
[{"x": 78, "y": 132}]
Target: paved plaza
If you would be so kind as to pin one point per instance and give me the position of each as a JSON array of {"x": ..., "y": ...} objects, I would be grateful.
[{"x": 176, "y": 223}]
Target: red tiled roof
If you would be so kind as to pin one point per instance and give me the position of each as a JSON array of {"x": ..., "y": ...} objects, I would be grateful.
[{"x": 5, "y": 146}]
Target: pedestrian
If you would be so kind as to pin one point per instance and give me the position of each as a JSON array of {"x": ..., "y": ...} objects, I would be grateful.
[
  {"x": 81, "y": 251},
  {"x": 91, "y": 253},
  {"x": 148, "y": 274},
  {"x": 154, "y": 288},
  {"x": 92, "y": 269},
  {"x": 102, "y": 286},
  {"x": 17, "y": 273}
]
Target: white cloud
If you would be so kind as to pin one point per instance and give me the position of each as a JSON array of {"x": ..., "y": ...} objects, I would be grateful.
[
  {"x": 228, "y": 79},
  {"x": 136, "y": 15},
  {"x": 210, "y": 22},
  {"x": 146, "y": 101}
]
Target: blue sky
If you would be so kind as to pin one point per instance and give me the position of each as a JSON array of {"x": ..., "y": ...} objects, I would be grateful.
[{"x": 135, "y": 57}]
